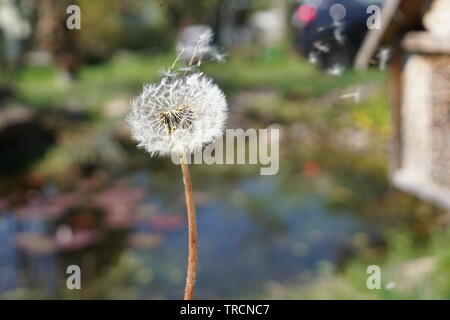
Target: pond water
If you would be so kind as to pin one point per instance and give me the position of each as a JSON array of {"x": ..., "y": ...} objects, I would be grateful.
[{"x": 253, "y": 231}]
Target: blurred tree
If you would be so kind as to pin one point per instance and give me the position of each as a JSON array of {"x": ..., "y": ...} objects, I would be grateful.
[
  {"x": 53, "y": 37},
  {"x": 102, "y": 29},
  {"x": 181, "y": 13},
  {"x": 146, "y": 25}
]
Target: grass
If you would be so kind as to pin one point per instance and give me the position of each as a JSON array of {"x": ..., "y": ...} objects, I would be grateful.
[{"x": 44, "y": 88}]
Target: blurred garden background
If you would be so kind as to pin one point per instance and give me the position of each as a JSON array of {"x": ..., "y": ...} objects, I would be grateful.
[{"x": 74, "y": 189}]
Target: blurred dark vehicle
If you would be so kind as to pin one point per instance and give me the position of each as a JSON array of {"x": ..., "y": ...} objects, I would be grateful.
[{"x": 329, "y": 32}]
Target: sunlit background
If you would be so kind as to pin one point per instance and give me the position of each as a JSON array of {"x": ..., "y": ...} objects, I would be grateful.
[{"x": 74, "y": 189}]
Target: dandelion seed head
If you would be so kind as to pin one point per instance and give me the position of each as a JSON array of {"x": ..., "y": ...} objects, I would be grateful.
[{"x": 178, "y": 115}]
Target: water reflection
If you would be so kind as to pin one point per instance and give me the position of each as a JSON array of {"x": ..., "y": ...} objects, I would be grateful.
[{"x": 129, "y": 237}]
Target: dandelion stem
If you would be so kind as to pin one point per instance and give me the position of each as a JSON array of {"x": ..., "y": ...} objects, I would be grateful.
[{"x": 192, "y": 226}]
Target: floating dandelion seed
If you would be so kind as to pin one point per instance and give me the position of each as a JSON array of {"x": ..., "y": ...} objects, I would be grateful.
[
  {"x": 219, "y": 57},
  {"x": 196, "y": 45},
  {"x": 336, "y": 69},
  {"x": 384, "y": 57},
  {"x": 339, "y": 32},
  {"x": 178, "y": 115},
  {"x": 319, "y": 45},
  {"x": 313, "y": 57}
]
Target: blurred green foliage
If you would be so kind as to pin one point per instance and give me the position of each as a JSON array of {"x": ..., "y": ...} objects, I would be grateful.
[
  {"x": 102, "y": 29},
  {"x": 194, "y": 11},
  {"x": 409, "y": 270}
]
